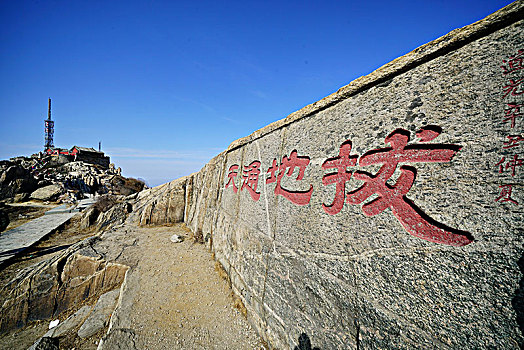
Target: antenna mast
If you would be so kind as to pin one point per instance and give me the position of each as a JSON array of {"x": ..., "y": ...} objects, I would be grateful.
[{"x": 49, "y": 129}]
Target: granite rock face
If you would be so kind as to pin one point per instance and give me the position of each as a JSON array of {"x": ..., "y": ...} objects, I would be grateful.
[
  {"x": 161, "y": 205},
  {"x": 387, "y": 215},
  {"x": 99, "y": 317},
  {"x": 15, "y": 180},
  {"x": 46, "y": 289}
]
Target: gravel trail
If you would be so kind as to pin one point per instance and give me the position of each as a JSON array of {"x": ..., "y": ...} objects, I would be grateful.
[{"x": 175, "y": 299}]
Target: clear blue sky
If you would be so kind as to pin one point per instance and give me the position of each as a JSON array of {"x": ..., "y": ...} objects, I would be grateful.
[{"x": 167, "y": 85}]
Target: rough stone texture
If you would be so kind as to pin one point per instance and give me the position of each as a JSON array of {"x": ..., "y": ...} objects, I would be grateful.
[
  {"x": 99, "y": 317},
  {"x": 15, "y": 180},
  {"x": 47, "y": 193},
  {"x": 89, "y": 217},
  {"x": 21, "y": 197},
  {"x": 350, "y": 280},
  {"x": 62, "y": 282},
  {"x": 161, "y": 205}
]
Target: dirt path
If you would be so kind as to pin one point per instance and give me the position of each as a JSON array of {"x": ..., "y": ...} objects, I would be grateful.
[{"x": 175, "y": 299}]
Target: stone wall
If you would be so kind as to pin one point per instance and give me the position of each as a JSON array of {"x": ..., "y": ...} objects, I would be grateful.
[{"x": 387, "y": 215}]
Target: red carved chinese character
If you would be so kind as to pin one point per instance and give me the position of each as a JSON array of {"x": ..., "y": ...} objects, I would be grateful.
[
  {"x": 500, "y": 165},
  {"x": 512, "y": 87},
  {"x": 394, "y": 196},
  {"x": 250, "y": 177},
  {"x": 505, "y": 195},
  {"x": 513, "y": 164},
  {"x": 513, "y": 141},
  {"x": 232, "y": 174},
  {"x": 512, "y": 113},
  {"x": 294, "y": 161},
  {"x": 339, "y": 178},
  {"x": 514, "y": 63}
]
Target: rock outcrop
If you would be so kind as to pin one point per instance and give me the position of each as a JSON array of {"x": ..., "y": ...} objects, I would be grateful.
[
  {"x": 58, "y": 284},
  {"x": 164, "y": 204},
  {"x": 15, "y": 179},
  {"x": 45, "y": 180}
]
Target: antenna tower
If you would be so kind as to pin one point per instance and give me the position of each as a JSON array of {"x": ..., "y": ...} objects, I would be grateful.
[{"x": 49, "y": 129}]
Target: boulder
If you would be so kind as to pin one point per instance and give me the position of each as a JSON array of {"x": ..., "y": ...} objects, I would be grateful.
[
  {"x": 89, "y": 217},
  {"x": 47, "y": 193}
]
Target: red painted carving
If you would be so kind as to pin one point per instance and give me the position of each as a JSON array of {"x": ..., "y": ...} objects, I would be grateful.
[
  {"x": 500, "y": 164},
  {"x": 250, "y": 177},
  {"x": 512, "y": 113},
  {"x": 232, "y": 174},
  {"x": 394, "y": 196},
  {"x": 513, "y": 141},
  {"x": 505, "y": 195},
  {"x": 289, "y": 164},
  {"x": 510, "y": 164},
  {"x": 512, "y": 87},
  {"x": 514, "y": 63},
  {"x": 339, "y": 178}
]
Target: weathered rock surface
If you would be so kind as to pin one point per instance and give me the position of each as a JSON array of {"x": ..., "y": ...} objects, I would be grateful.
[
  {"x": 77, "y": 180},
  {"x": 315, "y": 261},
  {"x": 119, "y": 339},
  {"x": 15, "y": 179},
  {"x": 21, "y": 197},
  {"x": 161, "y": 205},
  {"x": 60, "y": 283}
]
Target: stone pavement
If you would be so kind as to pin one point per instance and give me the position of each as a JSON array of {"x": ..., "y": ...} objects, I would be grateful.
[{"x": 16, "y": 240}]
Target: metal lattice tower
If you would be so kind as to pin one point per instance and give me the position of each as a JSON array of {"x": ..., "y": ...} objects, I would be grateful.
[{"x": 49, "y": 129}]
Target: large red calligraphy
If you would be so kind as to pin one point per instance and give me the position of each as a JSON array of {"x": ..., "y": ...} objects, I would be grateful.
[
  {"x": 250, "y": 177},
  {"x": 394, "y": 196},
  {"x": 232, "y": 174},
  {"x": 289, "y": 164},
  {"x": 339, "y": 178}
]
